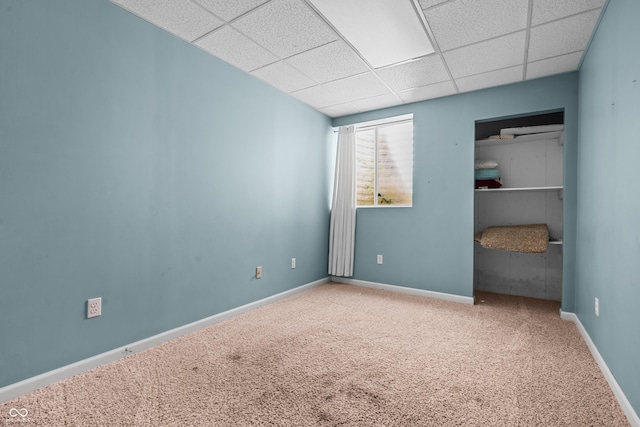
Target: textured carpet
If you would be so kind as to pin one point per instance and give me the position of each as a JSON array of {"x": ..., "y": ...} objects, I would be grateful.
[{"x": 341, "y": 355}]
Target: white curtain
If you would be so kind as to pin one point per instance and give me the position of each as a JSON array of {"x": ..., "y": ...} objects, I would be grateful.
[{"x": 342, "y": 230}]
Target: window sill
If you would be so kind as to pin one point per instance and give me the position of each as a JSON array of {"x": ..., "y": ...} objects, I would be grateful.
[{"x": 384, "y": 206}]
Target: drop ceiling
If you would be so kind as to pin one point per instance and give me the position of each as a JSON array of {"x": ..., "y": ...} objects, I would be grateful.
[{"x": 291, "y": 46}]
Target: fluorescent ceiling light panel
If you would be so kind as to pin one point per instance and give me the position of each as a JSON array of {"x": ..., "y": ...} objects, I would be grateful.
[{"x": 385, "y": 32}]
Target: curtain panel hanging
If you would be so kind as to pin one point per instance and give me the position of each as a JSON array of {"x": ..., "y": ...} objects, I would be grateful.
[{"x": 342, "y": 231}]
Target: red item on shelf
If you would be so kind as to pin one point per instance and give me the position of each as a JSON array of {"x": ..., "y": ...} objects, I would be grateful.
[{"x": 488, "y": 183}]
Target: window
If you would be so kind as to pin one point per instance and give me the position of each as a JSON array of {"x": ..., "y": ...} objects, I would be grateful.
[{"x": 384, "y": 168}]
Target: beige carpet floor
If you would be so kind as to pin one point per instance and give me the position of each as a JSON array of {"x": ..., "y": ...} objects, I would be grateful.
[{"x": 341, "y": 355}]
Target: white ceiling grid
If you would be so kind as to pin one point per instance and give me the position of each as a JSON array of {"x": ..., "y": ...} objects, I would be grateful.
[
  {"x": 571, "y": 31},
  {"x": 284, "y": 77},
  {"x": 289, "y": 45},
  {"x": 237, "y": 49},
  {"x": 465, "y": 22},
  {"x": 332, "y": 61},
  {"x": 490, "y": 79},
  {"x": 421, "y": 93},
  {"x": 545, "y": 67}
]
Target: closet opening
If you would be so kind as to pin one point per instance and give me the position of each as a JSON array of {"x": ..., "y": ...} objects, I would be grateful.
[{"x": 518, "y": 205}]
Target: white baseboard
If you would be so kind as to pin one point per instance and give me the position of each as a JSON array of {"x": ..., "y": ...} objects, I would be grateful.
[
  {"x": 405, "y": 290},
  {"x": 631, "y": 414},
  {"x": 17, "y": 389}
]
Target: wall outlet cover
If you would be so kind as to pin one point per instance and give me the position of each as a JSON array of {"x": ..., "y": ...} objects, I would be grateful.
[{"x": 94, "y": 307}]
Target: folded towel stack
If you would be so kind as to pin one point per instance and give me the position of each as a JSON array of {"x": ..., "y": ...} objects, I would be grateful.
[{"x": 487, "y": 174}]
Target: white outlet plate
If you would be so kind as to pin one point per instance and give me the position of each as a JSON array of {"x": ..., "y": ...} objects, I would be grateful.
[
  {"x": 293, "y": 263},
  {"x": 94, "y": 307},
  {"x": 379, "y": 259},
  {"x": 597, "y": 307},
  {"x": 259, "y": 272}
]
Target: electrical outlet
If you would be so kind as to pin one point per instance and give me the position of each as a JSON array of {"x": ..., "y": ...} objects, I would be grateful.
[
  {"x": 379, "y": 259},
  {"x": 259, "y": 272},
  {"x": 293, "y": 263},
  {"x": 597, "y": 307},
  {"x": 94, "y": 307}
]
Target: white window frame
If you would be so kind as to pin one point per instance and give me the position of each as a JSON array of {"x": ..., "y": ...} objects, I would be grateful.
[{"x": 376, "y": 124}]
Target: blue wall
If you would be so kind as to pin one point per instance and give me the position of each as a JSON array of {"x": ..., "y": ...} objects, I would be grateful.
[
  {"x": 430, "y": 246},
  {"x": 138, "y": 168},
  {"x": 608, "y": 223}
]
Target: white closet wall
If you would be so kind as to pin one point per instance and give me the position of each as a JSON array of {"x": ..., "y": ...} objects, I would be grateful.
[{"x": 532, "y": 177}]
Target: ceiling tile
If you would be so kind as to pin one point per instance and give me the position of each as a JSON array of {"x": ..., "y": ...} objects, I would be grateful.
[
  {"x": 421, "y": 72},
  {"x": 183, "y": 18},
  {"x": 339, "y": 110},
  {"x": 556, "y": 65},
  {"x": 490, "y": 55},
  {"x": 425, "y": 4},
  {"x": 490, "y": 79},
  {"x": 287, "y": 44},
  {"x": 562, "y": 37},
  {"x": 464, "y": 22},
  {"x": 329, "y": 62},
  {"x": 284, "y": 77},
  {"x": 356, "y": 87},
  {"x": 383, "y": 32},
  {"x": 428, "y": 92},
  {"x": 236, "y": 49},
  {"x": 229, "y": 10},
  {"x": 317, "y": 97},
  {"x": 549, "y": 10},
  {"x": 376, "y": 102},
  {"x": 286, "y": 27}
]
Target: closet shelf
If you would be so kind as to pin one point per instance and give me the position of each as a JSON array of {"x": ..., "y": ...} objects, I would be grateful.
[
  {"x": 559, "y": 135},
  {"x": 551, "y": 242},
  {"x": 507, "y": 189}
]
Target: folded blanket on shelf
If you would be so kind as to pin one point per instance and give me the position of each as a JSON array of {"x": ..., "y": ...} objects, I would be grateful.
[
  {"x": 527, "y": 238},
  {"x": 488, "y": 183},
  {"x": 487, "y": 174},
  {"x": 485, "y": 164}
]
